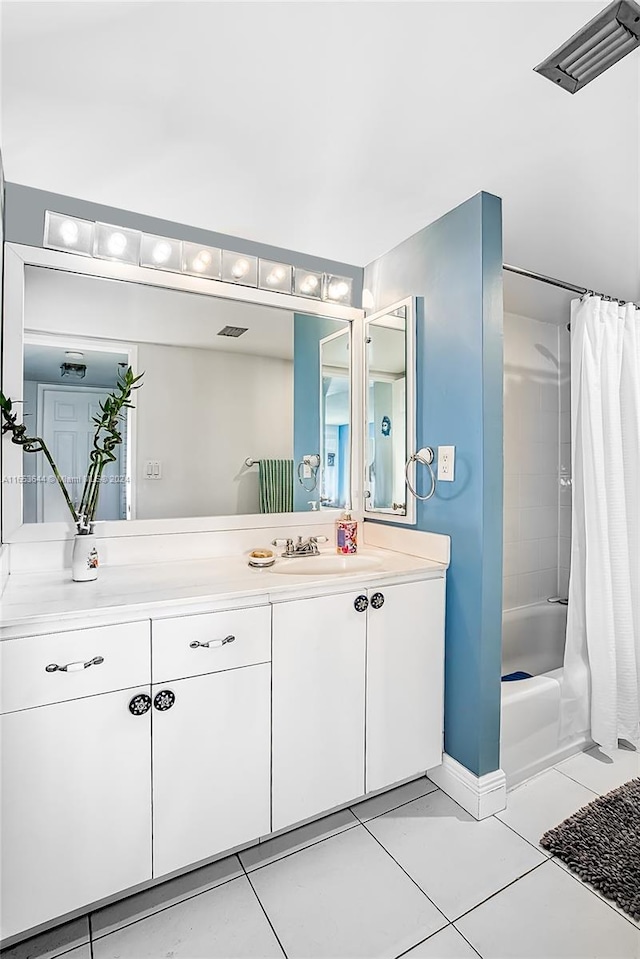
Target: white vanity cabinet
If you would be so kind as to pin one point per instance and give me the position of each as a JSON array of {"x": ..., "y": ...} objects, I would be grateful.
[
  {"x": 355, "y": 674},
  {"x": 211, "y": 734},
  {"x": 319, "y": 648},
  {"x": 75, "y": 819},
  {"x": 167, "y": 742},
  {"x": 405, "y": 681}
]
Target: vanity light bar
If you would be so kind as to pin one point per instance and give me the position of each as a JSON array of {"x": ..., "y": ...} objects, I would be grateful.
[{"x": 107, "y": 241}]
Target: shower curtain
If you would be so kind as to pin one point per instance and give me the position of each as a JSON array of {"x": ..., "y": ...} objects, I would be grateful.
[{"x": 601, "y": 687}]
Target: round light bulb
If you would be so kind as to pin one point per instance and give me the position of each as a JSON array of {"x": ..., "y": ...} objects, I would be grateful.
[
  {"x": 338, "y": 289},
  {"x": 161, "y": 252},
  {"x": 69, "y": 232},
  {"x": 240, "y": 269},
  {"x": 309, "y": 284},
  {"x": 201, "y": 261},
  {"x": 117, "y": 244},
  {"x": 277, "y": 275}
]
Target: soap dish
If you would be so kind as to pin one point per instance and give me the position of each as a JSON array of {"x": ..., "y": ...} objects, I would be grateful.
[{"x": 261, "y": 558}]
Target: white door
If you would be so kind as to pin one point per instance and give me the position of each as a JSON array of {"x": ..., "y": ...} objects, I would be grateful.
[
  {"x": 211, "y": 764},
  {"x": 405, "y": 681},
  {"x": 68, "y": 429},
  {"x": 75, "y": 820},
  {"x": 318, "y": 706}
]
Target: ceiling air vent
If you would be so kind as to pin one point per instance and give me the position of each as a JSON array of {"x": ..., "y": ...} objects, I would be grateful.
[
  {"x": 609, "y": 37},
  {"x": 233, "y": 330}
]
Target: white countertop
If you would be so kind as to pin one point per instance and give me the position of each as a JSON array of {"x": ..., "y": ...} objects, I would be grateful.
[{"x": 37, "y": 602}]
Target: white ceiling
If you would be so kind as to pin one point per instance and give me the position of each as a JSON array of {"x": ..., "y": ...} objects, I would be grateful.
[
  {"x": 42, "y": 364},
  {"x": 337, "y": 129}
]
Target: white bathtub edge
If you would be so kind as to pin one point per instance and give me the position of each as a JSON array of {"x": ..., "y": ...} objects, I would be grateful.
[
  {"x": 482, "y": 796},
  {"x": 533, "y": 769}
]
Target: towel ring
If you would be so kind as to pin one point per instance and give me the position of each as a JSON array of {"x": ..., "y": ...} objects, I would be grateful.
[
  {"x": 424, "y": 456},
  {"x": 314, "y": 477}
]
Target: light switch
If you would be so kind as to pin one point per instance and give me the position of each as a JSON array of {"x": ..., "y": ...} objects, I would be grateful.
[
  {"x": 153, "y": 469},
  {"x": 446, "y": 463}
]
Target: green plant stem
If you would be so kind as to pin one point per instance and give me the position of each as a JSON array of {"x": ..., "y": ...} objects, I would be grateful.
[{"x": 111, "y": 412}]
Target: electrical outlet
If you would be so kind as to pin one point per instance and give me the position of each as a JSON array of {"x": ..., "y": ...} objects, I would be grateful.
[{"x": 446, "y": 463}]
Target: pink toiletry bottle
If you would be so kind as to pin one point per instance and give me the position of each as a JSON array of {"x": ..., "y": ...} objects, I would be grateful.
[{"x": 347, "y": 534}]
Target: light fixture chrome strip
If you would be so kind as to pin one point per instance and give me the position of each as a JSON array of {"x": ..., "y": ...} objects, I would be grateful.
[
  {"x": 111, "y": 242},
  {"x": 604, "y": 40}
]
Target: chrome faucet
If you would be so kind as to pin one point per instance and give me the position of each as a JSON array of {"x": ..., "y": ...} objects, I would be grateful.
[{"x": 302, "y": 547}]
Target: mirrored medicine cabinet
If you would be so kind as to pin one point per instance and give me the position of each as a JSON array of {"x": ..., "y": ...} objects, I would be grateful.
[{"x": 389, "y": 412}]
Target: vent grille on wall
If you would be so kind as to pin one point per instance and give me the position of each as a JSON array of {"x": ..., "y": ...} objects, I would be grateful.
[
  {"x": 233, "y": 330},
  {"x": 609, "y": 37}
]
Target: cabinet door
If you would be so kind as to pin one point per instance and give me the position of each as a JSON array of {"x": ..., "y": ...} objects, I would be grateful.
[
  {"x": 210, "y": 765},
  {"x": 318, "y": 706},
  {"x": 405, "y": 681},
  {"x": 76, "y": 806}
]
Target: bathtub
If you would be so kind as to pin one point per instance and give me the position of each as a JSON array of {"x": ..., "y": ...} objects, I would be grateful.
[{"x": 533, "y": 641}]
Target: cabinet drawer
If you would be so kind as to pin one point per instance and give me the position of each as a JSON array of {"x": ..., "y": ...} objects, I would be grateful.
[
  {"x": 125, "y": 653},
  {"x": 174, "y": 656}
]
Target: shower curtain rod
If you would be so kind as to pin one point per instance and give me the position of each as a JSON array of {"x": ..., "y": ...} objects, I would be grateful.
[{"x": 561, "y": 283}]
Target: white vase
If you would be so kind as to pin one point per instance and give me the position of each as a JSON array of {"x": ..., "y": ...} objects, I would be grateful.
[{"x": 84, "y": 560}]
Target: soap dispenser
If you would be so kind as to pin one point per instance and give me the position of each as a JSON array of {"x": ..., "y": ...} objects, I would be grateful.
[{"x": 347, "y": 534}]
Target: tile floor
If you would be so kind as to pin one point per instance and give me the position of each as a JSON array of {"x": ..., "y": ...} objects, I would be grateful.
[{"x": 408, "y": 873}]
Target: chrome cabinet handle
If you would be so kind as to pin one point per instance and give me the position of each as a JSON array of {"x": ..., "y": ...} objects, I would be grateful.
[
  {"x": 360, "y": 603},
  {"x": 74, "y": 667},
  {"x": 212, "y": 643}
]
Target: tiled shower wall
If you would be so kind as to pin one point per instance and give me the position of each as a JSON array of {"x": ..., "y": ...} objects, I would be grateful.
[
  {"x": 537, "y": 511},
  {"x": 564, "y": 541}
]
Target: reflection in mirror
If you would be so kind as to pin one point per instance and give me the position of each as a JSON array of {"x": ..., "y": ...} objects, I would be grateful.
[
  {"x": 219, "y": 387},
  {"x": 62, "y": 390},
  {"x": 386, "y": 412},
  {"x": 334, "y": 404}
]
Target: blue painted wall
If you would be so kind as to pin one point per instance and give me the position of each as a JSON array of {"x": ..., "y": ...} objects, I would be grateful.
[
  {"x": 307, "y": 333},
  {"x": 455, "y": 265}
]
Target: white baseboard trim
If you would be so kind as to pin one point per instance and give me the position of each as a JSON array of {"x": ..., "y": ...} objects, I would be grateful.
[{"x": 482, "y": 796}]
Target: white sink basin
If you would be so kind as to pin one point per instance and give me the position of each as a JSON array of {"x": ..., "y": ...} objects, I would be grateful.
[{"x": 326, "y": 565}]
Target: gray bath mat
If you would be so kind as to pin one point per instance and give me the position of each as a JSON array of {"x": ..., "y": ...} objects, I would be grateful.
[{"x": 601, "y": 843}]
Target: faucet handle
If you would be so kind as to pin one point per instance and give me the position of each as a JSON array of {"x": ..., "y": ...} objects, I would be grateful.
[
  {"x": 282, "y": 542},
  {"x": 319, "y": 539}
]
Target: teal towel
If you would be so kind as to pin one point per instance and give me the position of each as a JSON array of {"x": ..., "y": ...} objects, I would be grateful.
[{"x": 276, "y": 486}]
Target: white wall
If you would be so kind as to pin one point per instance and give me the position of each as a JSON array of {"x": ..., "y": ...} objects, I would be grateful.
[
  {"x": 202, "y": 421},
  {"x": 535, "y": 384},
  {"x": 205, "y": 405}
]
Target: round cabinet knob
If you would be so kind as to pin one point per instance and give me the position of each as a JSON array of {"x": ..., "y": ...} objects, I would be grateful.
[
  {"x": 360, "y": 603},
  {"x": 140, "y": 705},
  {"x": 164, "y": 700},
  {"x": 377, "y": 600}
]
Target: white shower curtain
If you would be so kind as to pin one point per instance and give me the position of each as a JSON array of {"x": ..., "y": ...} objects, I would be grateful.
[{"x": 601, "y": 688}]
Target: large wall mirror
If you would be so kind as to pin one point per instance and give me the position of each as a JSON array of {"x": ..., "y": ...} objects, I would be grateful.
[
  {"x": 389, "y": 437},
  {"x": 245, "y": 408}
]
